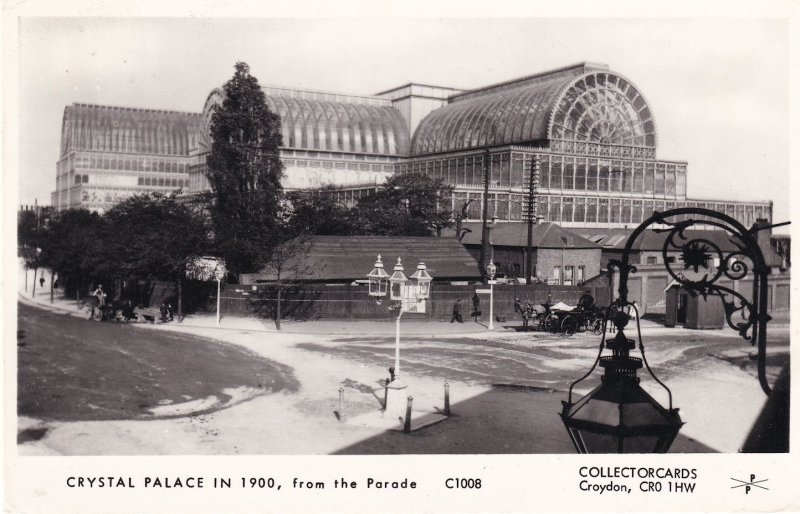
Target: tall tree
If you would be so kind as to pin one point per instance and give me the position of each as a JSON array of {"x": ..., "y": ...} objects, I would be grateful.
[
  {"x": 408, "y": 205},
  {"x": 244, "y": 171},
  {"x": 72, "y": 247},
  {"x": 153, "y": 237},
  {"x": 316, "y": 212}
]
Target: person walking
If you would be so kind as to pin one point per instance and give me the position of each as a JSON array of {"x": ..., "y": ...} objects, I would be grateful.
[
  {"x": 476, "y": 306},
  {"x": 457, "y": 312}
]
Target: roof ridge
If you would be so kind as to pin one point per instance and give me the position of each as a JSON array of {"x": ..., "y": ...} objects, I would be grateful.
[{"x": 134, "y": 109}]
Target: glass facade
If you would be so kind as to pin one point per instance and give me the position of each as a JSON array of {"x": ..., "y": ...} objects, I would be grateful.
[
  {"x": 590, "y": 130},
  {"x": 575, "y": 191}
]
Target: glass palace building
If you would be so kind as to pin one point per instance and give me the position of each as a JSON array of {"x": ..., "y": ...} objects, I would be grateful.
[{"x": 590, "y": 129}]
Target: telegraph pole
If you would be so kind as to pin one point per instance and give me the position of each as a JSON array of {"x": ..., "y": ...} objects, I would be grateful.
[
  {"x": 533, "y": 184},
  {"x": 484, "y": 230}
]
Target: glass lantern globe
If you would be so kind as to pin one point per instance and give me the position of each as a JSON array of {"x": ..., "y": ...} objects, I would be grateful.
[
  {"x": 378, "y": 280},
  {"x": 618, "y": 416},
  {"x": 422, "y": 281},
  {"x": 397, "y": 282},
  {"x": 491, "y": 270}
]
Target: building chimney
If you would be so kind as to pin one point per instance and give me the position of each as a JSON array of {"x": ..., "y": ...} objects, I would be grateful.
[{"x": 763, "y": 235}]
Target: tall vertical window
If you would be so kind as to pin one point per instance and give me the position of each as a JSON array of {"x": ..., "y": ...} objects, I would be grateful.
[
  {"x": 544, "y": 172},
  {"x": 557, "y": 274},
  {"x": 517, "y": 170},
  {"x": 626, "y": 212},
  {"x": 581, "y": 274},
  {"x": 569, "y": 273},
  {"x": 505, "y": 167},
  {"x": 555, "y": 175},
  {"x": 615, "y": 217},
  {"x": 638, "y": 180},
  {"x": 591, "y": 176},
  {"x": 602, "y": 211},
  {"x": 568, "y": 180},
  {"x": 543, "y": 208},
  {"x": 670, "y": 186},
  {"x": 615, "y": 176},
  {"x": 580, "y": 177},
  {"x": 468, "y": 165},
  {"x": 580, "y": 214},
  {"x": 636, "y": 214},
  {"x": 566, "y": 210},
  {"x": 680, "y": 184},
  {"x": 627, "y": 180},
  {"x": 591, "y": 211},
  {"x": 602, "y": 181},
  {"x": 555, "y": 209},
  {"x": 649, "y": 178},
  {"x": 659, "y": 183}
]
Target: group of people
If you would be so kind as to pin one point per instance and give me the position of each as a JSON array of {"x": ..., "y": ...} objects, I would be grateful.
[
  {"x": 529, "y": 310},
  {"x": 165, "y": 309}
]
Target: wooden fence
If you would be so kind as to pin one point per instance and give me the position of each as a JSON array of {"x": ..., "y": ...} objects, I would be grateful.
[{"x": 314, "y": 301}]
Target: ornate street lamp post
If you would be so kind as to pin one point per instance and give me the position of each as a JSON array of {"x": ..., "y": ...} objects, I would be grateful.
[
  {"x": 404, "y": 293},
  {"x": 618, "y": 415},
  {"x": 491, "y": 270}
]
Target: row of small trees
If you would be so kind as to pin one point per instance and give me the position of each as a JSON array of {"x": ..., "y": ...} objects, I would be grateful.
[
  {"x": 246, "y": 219},
  {"x": 146, "y": 237}
]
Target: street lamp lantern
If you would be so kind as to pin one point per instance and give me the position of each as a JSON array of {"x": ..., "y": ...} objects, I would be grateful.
[
  {"x": 397, "y": 282},
  {"x": 378, "y": 280},
  {"x": 618, "y": 416},
  {"x": 491, "y": 270},
  {"x": 422, "y": 282}
]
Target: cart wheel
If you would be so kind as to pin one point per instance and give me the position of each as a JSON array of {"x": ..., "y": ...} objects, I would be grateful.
[
  {"x": 88, "y": 312},
  {"x": 569, "y": 325},
  {"x": 97, "y": 314},
  {"x": 551, "y": 323}
]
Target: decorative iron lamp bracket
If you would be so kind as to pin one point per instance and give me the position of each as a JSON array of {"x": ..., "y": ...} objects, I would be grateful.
[
  {"x": 698, "y": 254},
  {"x": 618, "y": 415}
]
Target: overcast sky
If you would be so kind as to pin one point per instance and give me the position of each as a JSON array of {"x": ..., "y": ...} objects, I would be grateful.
[{"x": 718, "y": 88}]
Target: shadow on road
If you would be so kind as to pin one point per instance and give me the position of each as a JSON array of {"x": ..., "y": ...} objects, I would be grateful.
[{"x": 507, "y": 419}]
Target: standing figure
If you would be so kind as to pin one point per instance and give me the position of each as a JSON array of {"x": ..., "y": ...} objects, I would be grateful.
[
  {"x": 476, "y": 306},
  {"x": 100, "y": 295},
  {"x": 586, "y": 302},
  {"x": 523, "y": 312},
  {"x": 457, "y": 312}
]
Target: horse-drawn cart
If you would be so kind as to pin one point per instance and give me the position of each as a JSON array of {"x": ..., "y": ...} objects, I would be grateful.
[
  {"x": 117, "y": 311},
  {"x": 560, "y": 318}
]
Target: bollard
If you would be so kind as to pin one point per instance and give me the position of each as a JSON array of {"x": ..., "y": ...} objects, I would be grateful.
[
  {"x": 386, "y": 394},
  {"x": 446, "y": 399},
  {"x": 341, "y": 404},
  {"x": 407, "y": 425}
]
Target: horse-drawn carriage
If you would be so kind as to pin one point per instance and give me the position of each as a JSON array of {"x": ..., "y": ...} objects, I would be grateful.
[
  {"x": 560, "y": 318},
  {"x": 94, "y": 309},
  {"x": 124, "y": 310},
  {"x": 569, "y": 320}
]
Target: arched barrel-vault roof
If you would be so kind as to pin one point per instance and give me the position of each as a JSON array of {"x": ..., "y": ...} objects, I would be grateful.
[
  {"x": 127, "y": 130},
  {"x": 588, "y": 105},
  {"x": 335, "y": 123}
]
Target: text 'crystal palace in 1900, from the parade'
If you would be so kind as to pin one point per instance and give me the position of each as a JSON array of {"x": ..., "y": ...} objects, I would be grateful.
[{"x": 592, "y": 130}]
